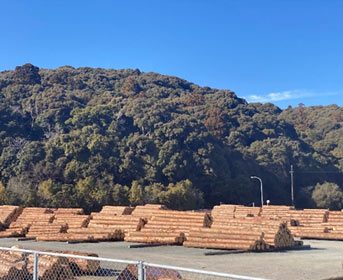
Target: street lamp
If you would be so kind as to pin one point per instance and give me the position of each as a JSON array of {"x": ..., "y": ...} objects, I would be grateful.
[{"x": 258, "y": 178}]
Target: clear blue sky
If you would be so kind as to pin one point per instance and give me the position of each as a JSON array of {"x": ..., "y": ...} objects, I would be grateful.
[{"x": 282, "y": 51}]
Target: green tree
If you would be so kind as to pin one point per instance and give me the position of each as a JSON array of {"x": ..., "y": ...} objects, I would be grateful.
[
  {"x": 3, "y": 194},
  {"x": 120, "y": 195},
  {"x": 328, "y": 195},
  {"x": 182, "y": 196},
  {"x": 136, "y": 196}
]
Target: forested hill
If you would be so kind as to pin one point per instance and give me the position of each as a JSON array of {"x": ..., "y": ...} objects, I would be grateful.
[{"x": 87, "y": 137}]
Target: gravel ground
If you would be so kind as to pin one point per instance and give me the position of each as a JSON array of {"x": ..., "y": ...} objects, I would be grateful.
[{"x": 322, "y": 260}]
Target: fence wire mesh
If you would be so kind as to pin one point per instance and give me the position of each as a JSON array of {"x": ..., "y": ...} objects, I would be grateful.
[
  {"x": 163, "y": 272},
  {"x": 17, "y": 264}
]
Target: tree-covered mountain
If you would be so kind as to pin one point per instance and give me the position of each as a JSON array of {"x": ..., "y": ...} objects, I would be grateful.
[{"x": 87, "y": 137}]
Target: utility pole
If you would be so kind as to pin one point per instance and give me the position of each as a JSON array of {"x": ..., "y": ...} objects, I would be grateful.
[{"x": 292, "y": 184}]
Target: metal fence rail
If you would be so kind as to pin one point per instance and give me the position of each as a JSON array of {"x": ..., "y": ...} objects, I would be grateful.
[{"x": 20, "y": 264}]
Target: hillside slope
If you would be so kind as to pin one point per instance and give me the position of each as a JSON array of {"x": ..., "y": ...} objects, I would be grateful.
[{"x": 85, "y": 137}]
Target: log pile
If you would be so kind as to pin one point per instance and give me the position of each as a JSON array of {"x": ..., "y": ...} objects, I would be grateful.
[
  {"x": 148, "y": 210},
  {"x": 277, "y": 212},
  {"x": 309, "y": 217},
  {"x": 72, "y": 221},
  {"x": 335, "y": 220},
  {"x": 332, "y": 229},
  {"x": 79, "y": 266},
  {"x": 169, "y": 227},
  {"x": 64, "y": 219},
  {"x": 235, "y": 211},
  {"x": 42, "y": 229},
  {"x": 72, "y": 217},
  {"x": 110, "y": 224},
  {"x": 250, "y": 233},
  {"x": 224, "y": 211},
  {"x": 116, "y": 210},
  {"x": 215, "y": 238},
  {"x": 19, "y": 266},
  {"x": 8, "y": 214},
  {"x": 156, "y": 224},
  {"x": 28, "y": 217},
  {"x": 245, "y": 211},
  {"x": 69, "y": 211},
  {"x": 124, "y": 223}
]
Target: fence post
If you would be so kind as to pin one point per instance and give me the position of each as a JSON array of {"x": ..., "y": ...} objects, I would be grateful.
[
  {"x": 140, "y": 268},
  {"x": 35, "y": 266}
]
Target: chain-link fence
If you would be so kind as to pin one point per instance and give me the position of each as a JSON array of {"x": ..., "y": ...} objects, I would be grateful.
[{"x": 19, "y": 264}]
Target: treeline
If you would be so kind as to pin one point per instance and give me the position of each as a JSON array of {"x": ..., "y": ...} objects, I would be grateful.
[{"x": 86, "y": 137}]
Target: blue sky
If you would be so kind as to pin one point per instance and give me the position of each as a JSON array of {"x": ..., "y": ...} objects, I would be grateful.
[{"x": 281, "y": 51}]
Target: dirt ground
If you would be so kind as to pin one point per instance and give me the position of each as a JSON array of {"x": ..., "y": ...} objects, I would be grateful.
[{"x": 322, "y": 260}]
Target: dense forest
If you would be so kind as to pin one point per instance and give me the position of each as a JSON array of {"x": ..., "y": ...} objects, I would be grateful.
[{"x": 87, "y": 137}]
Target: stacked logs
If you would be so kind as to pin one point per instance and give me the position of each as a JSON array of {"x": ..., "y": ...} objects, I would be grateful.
[
  {"x": 249, "y": 233},
  {"x": 235, "y": 211},
  {"x": 311, "y": 222},
  {"x": 335, "y": 220},
  {"x": 64, "y": 219},
  {"x": 72, "y": 218},
  {"x": 148, "y": 210},
  {"x": 309, "y": 217},
  {"x": 224, "y": 211},
  {"x": 332, "y": 229},
  {"x": 224, "y": 239},
  {"x": 116, "y": 210},
  {"x": 169, "y": 227},
  {"x": 110, "y": 224},
  {"x": 79, "y": 266},
  {"x": 8, "y": 214},
  {"x": 28, "y": 217},
  {"x": 276, "y": 212},
  {"x": 19, "y": 266},
  {"x": 245, "y": 211}
]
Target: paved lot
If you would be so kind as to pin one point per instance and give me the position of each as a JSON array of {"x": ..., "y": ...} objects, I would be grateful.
[{"x": 323, "y": 260}]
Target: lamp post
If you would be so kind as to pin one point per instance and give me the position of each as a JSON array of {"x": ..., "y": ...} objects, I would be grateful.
[{"x": 258, "y": 178}]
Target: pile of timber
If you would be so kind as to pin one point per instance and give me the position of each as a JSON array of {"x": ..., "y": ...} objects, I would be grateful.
[
  {"x": 116, "y": 210},
  {"x": 332, "y": 229},
  {"x": 223, "y": 239},
  {"x": 224, "y": 211},
  {"x": 335, "y": 220},
  {"x": 309, "y": 217},
  {"x": 40, "y": 229},
  {"x": 65, "y": 219},
  {"x": 19, "y": 266},
  {"x": 169, "y": 227},
  {"x": 28, "y": 217},
  {"x": 39, "y": 225},
  {"x": 281, "y": 212},
  {"x": 246, "y": 211},
  {"x": 110, "y": 224},
  {"x": 249, "y": 233},
  {"x": 8, "y": 214},
  {"x": 124, "y": 223},
  {"x": 79, "y": 266},
  {"x": 72, "y": 220},
  {"x": 148, "y": 210}
]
